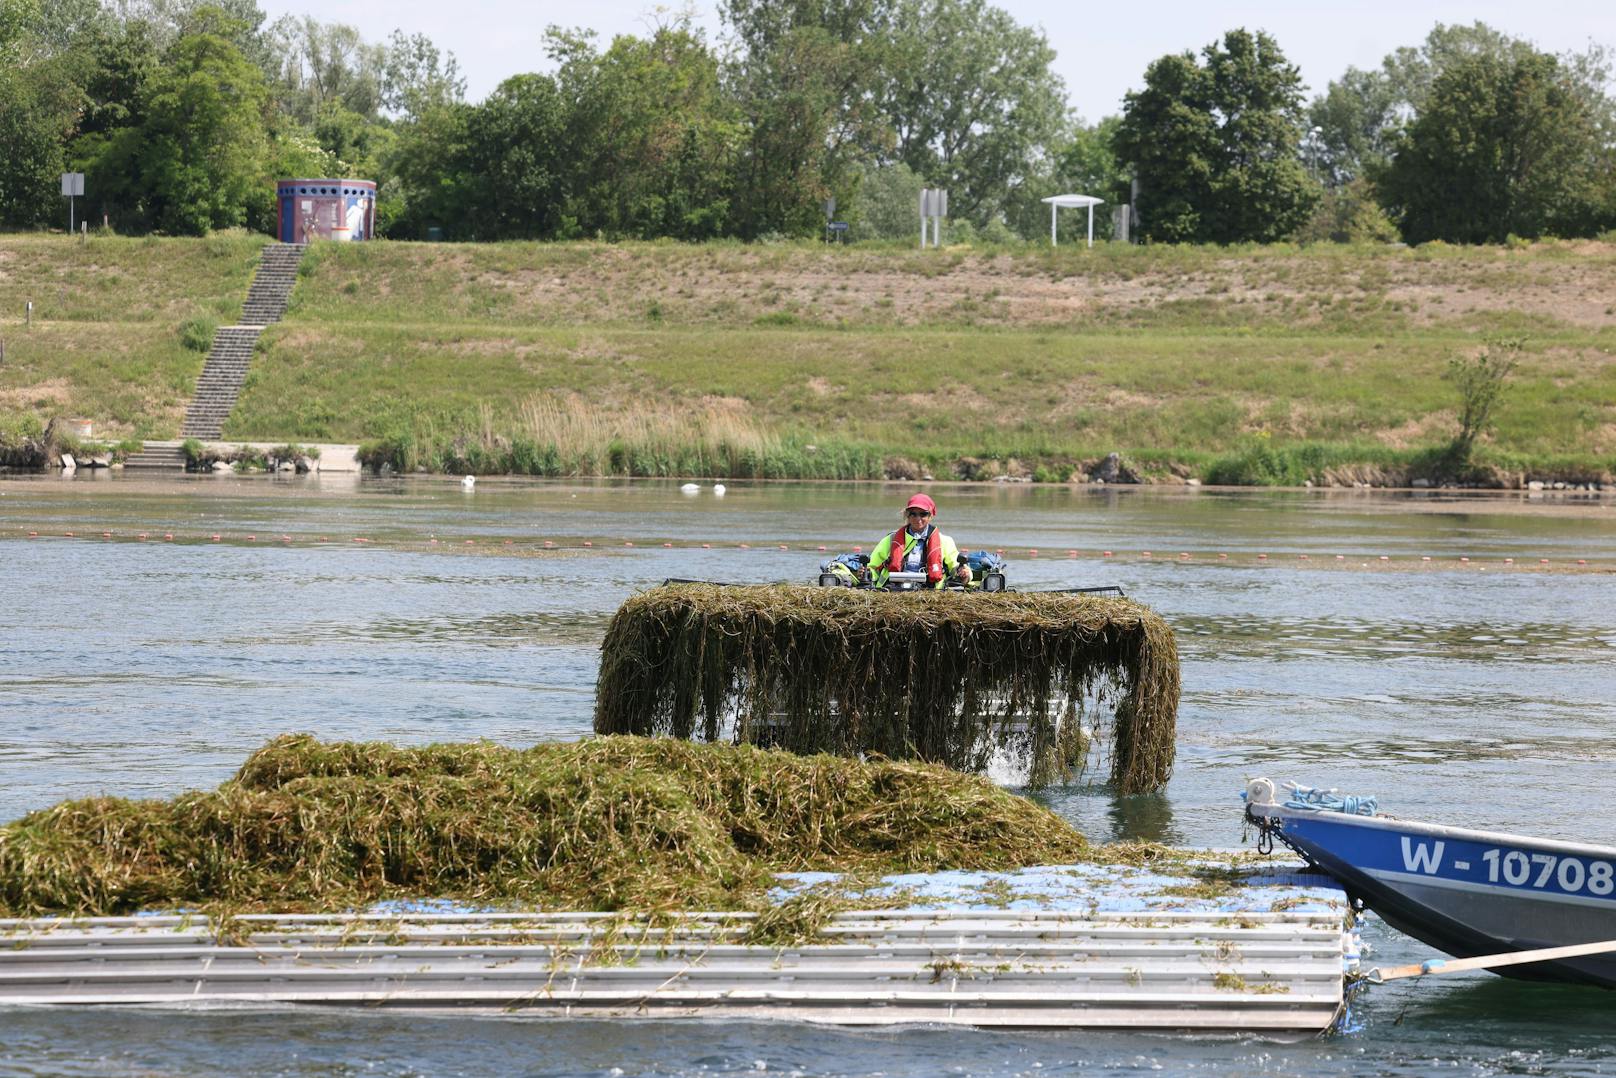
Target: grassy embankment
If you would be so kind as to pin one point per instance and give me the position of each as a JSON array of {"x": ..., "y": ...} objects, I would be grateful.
[
  {"x": 120, "y": 329},
  {"x": 1244, "y": 364}
]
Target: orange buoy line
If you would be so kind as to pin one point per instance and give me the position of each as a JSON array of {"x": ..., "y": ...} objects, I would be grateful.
[{"x": 1183, "y": 556}]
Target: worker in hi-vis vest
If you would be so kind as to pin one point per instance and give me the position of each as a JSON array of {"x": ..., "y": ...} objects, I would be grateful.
[{"x": 918, "y": 547}]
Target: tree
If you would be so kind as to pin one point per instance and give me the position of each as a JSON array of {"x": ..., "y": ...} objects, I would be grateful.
[
  {"x": 41, "y": 94},
  {"x": 802, "y": 80},
  {"x": 1360, "y": 115},
  {"x": 970, "y": 98},
  {"x": 196, "y": 160},
  {"x": 416, "y": 76},
  {"x": 650, "y": 135},
  {"x": 1504, "y": 145},
  {"x": 318, "y": 67},
  {"x": 1216, "y": 146},
  {"x": 885, "y": 203},
  {"x": 797, "y": 148},
  {"x": 1480, "y": 381}
]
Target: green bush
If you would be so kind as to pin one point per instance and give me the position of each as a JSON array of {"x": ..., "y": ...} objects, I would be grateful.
[
  {"x": 197, "y": 334},
  {"x": 1260, "y": 463}
]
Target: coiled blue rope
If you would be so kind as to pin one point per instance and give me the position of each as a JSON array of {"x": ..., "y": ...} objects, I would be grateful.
[{"x": 1315, "y": 800}]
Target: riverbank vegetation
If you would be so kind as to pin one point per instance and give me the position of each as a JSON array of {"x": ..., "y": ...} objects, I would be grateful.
[
  {"x": 1260, "y": 364},
  {"x": 614, "y": 823}
]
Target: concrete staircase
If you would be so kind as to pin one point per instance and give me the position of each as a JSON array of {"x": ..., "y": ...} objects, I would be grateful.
[
  {"x": 157, "y": 455},
  {"x": 232, "y": 351},
  {"x": 222, "y": 376},
  {"x": 272, "y": 285}
]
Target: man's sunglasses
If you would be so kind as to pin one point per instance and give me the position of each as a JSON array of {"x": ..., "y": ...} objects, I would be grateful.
[{"x": 916, "y": 513}]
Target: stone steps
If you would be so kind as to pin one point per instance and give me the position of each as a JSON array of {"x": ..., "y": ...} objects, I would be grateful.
[
  {"x": 157, "y": 455},
  {"x": 231, "y": 355}
]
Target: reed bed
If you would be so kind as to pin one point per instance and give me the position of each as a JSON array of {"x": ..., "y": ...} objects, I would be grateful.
[
  {"x": 618, "y": 823},
  {"x": 948, "y": 677}
]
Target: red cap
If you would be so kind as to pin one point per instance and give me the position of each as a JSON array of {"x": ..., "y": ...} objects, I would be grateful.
[{"x": 920, "y": 501}]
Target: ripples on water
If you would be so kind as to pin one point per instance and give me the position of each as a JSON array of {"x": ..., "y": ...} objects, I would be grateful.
[{"x": 141, "y": 669}]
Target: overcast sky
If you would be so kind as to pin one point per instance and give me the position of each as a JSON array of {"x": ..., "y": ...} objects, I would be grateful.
[{"x": 1100, "y": 55}]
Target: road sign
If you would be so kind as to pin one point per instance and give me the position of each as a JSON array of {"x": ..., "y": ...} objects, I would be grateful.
[
  {"x": 72, "y": 186},
  {"x": 837, "y": 226}
]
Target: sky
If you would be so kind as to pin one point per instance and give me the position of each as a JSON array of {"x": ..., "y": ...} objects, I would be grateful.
[{"x": 1100, "y": 56}]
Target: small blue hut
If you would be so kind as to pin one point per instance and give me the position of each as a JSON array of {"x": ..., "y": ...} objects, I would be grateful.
[{"x": 325, "y": 209}]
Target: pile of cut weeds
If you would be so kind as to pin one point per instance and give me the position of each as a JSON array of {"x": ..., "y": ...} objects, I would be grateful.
[{"x": 610, "y": 823}]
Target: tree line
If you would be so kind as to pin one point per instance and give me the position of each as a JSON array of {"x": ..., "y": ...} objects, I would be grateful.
[{"x": 182, "y": 114}]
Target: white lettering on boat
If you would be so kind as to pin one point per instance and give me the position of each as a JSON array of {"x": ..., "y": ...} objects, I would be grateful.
[
  {"x": 1420, "y": 857},
  {"x": 1543, "y": 870}
]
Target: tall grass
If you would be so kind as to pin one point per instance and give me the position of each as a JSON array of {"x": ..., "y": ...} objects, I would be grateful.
[{"x": 557, "y": 435}]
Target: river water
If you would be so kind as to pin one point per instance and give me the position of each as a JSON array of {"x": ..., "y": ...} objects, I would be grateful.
[{"x": 1317, "y": 642}]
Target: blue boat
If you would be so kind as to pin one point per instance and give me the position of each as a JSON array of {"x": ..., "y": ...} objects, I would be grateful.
[{"x": 1468, "y": 893}]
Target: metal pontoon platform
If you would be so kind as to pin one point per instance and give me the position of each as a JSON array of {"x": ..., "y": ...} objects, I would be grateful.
[{"x": 1250, "y": 967}]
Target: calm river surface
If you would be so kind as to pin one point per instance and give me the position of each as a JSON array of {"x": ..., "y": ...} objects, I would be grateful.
[{"x": 1480, "y": 693}]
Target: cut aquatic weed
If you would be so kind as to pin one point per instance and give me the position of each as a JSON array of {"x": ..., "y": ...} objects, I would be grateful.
[
  {"x": 614, "y": 823},
  {"x": 946, "y": 677}
]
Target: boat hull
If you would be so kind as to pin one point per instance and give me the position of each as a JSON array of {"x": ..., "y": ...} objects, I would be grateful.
[{"x": 1468, "y": 893}]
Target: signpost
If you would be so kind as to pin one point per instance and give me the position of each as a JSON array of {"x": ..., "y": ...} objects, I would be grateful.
[
  {"x": 933, "y": 208},
  {"x": 72, "y": 187}
]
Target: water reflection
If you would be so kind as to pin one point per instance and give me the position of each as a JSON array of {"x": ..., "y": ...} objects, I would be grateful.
[{"x": 1144, "y": 818}]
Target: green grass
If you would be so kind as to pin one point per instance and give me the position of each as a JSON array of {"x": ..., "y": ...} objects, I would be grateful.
[{"x": 873, "y": 355}]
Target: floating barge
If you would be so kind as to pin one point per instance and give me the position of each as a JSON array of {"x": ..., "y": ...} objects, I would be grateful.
[{"x": 1067, "y": 946}]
